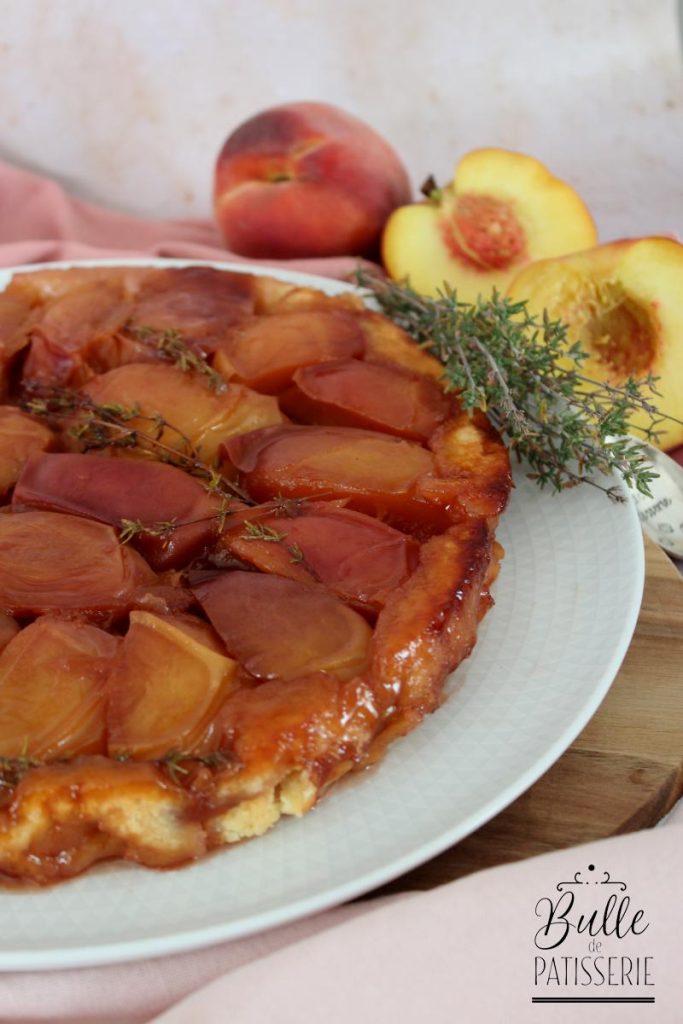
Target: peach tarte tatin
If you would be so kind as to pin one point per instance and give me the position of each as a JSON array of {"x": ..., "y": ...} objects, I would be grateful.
[{"x": 245, "y": 538}]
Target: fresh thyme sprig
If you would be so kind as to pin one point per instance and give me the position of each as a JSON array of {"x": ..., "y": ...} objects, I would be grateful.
[
  {"x": 288, "y": 508},
  {"x": 257, "y": 531},
  {"x": 521, "y": 371},
  {"x": 98, "y": 426},
  {"x": 13, "y": 769},
  {"x": 169, "y": 343},
  {"x": 175, "y": 763},
  {"x": 131, "y": 528},
  {"x": 252, "y": 529}
]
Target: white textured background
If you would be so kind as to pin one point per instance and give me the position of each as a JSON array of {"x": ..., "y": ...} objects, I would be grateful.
[{"x": 128, "y": 101}]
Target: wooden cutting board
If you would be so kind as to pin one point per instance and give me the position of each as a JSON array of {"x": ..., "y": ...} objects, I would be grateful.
[{"x": 622, "y": 773}]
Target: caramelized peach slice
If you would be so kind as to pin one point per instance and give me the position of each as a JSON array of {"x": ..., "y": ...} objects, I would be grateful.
[
  {"x": 278, "y": 628},
  {"x": 52, "y": 693},
  {"x": 114, "y": 350},
  {"x": 273, "y": 296},
  {"x": 9, "y": 628},
  {"x": 339, "y": 461},
  {"x": 206, "y": 417},
  {"x": 386, "y": 342},
  {"x": 54, "y": 562},
  {"x": 20, "y": 436},
  {"x": 358, "y": 558},
  {"x": 198, "y": 302},
  {"x": 112, "y": 490},
  {"x": 15, "y": 320},
  {"x": 376, "y": 473},
  {"x": 502, "y": 211},
  {"x": 164, "y": 690},
  {"x": 264, "y": 352},
  {"x": 88, "y": 319},
  {"x": 197, "y": 629},
  {"x": 41, "y": 287},
  {"x": 370, "y": 395},
  {"x": 67, "y": 326},
  {"x": 622, "y": 302}
]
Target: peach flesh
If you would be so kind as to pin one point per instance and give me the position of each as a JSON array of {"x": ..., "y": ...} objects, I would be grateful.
[
  {"x": 621, "y": 303},
  {"x": 620, "y": 331}
]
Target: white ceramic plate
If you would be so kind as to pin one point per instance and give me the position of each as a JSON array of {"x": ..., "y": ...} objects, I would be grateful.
[{"x": 567, "y": 601}]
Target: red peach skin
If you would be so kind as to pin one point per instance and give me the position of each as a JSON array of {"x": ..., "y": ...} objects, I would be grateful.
[{"x": 306, "y": 179}]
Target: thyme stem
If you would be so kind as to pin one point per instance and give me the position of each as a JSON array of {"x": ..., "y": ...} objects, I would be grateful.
[
  {"x": 522, "y": 372},
  {"x": 109, "y": 426}
]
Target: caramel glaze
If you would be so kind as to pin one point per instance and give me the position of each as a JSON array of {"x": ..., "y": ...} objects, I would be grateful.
[{"x": 279, "y": 743}]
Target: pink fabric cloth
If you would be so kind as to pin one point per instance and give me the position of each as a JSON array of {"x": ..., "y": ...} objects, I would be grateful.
[
  {"x": 40, "y": 222},
  {"x": 461, "y": 953}
]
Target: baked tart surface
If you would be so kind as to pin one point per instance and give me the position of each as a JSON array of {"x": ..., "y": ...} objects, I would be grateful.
[{"x": 246, "y": 537}]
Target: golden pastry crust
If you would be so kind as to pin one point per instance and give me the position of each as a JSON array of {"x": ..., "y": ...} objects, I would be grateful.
[{"x": 275, "y": 744}]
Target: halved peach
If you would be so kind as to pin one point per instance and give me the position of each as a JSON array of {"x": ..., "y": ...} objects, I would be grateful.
[
  {"x": 20, "y": 436},
  {"x": 501, "y": 211},
  {"x": 52, "y": 690},
  {"x": 280, "y": 629},
  {"x": 263, "y": 352},
  {"x": 164, "y": 689},
  {"x": 206, "y": 417},
  {"x": 622, "y": 302}
]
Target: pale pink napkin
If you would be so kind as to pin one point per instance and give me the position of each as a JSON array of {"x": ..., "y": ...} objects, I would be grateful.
[
  {"x": 39, "y": 221},
  {"x": 459, "y": 954}
]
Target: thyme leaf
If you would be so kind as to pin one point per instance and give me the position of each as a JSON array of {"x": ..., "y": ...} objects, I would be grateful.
[
  {"x": 178, "y": 764},
  {"x": 169, "y": 343},
  {"x": 98, "y": 426},
  {"x": 521, "y": 371},
  {"x": 130, "y": 528},
  {"x": 296, "y": 553},
  {"x": 258, "y": 531},
  {"x": 13, "y": 769}
]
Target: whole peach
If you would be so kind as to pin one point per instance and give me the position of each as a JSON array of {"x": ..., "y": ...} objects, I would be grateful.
[{"x": 306, "y": 179}]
